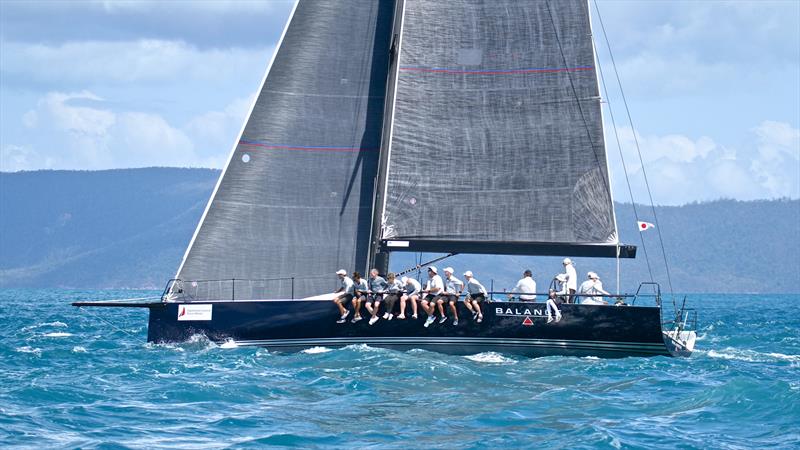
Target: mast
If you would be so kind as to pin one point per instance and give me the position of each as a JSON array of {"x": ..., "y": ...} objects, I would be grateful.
[{"x": 378, "y": 257}]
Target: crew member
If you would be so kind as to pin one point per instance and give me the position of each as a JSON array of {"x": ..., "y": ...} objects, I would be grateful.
[
  {"x": 526, "y": 287},
  {"x": 345, "y": 292},
  {"x": 592, "y": 286},
  {"x": 413, "y": 290},
  {"x": 393, "y": 290},
  {"x": 476, "y": 293},
  {"x": 453, "y": 288},
  {"x": 361, "y": 289},
  {"x": 377, "y": 285},
  {"x": 572, "y": 279},
  {"x": 433, "y": 288},
  {"x": 553, "y": 301}
]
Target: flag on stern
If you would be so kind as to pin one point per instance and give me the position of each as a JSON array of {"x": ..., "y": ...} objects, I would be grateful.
[{"x": 645, "y": 225}]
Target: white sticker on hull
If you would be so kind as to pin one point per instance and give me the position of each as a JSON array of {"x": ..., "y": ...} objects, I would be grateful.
[{"x": 194, "y": 312}]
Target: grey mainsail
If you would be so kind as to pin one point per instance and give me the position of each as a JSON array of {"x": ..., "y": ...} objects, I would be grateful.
[
  {"x": 497, "y": 142},
  {"x": 295, "y": 199}
]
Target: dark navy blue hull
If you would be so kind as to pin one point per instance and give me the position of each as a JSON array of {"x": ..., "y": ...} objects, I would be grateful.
[{"x": 518, "y": 328}]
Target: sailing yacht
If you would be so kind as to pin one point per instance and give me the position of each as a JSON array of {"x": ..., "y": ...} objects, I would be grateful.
[{"x": 383, "y": 126}]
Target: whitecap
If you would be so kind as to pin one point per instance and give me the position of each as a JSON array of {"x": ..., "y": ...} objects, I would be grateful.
[
  {"x": 58, "y": 334},
  {"x": 729, "y": 356},
  {"x": 53, "y": 324},
  {"x": 591, "y": 358},
  {"x": 731, "y": 353},
  {"x": 785, "y": 357},
  {"x": 490, "y": 357},
  {"x": 315, "y": 350},
  {"x": 28, "y": 349},
  {"x": 230, "y": 343},
  {"x": 78, "y": 349}
]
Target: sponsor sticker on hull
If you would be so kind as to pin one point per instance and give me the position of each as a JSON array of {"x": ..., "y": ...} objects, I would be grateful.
[
  {"x": 519, "y": 311},
  {"x": 194, "y": 312}
]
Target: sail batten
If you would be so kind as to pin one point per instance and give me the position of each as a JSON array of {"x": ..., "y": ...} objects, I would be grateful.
[{"x": 497, "y": 143}]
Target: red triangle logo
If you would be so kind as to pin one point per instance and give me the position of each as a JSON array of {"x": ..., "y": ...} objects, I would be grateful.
[
  {"x": 527, "y": 322},
  {"x": 183, "y": 312}
]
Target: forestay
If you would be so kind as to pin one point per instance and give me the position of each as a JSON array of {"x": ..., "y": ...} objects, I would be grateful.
[
  {"x": 497, "y": 142},
  {"x": 295, "y": 199}
]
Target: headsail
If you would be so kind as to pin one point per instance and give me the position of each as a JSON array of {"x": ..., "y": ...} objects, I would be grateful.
[
  {"x": 497, "y": 142},
  {"x": 295, "y": 199}
]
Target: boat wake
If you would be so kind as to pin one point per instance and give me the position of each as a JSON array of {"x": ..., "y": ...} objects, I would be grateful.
[
  {"x": 315, "y": 350},
  {"x": 491, "y": 358},
  {"x": 731, "y": 353}
]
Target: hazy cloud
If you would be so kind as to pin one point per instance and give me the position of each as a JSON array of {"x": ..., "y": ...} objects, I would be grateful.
[
  {"x": 204, "y": 23},
  {"x": 92, "y": 136},
  {"x": 682, "y": 169},
  {"x": 123, "y": 62}
]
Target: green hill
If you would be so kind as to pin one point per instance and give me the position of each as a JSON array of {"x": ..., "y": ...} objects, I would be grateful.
[{"x": 130, "y": 227}]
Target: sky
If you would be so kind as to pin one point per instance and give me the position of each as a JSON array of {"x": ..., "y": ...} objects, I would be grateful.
[{"x": 713, "y": 88}]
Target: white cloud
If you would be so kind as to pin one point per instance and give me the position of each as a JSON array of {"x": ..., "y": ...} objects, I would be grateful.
[
  {"x": 681, "y": 169},
  {"x": 14, "y": 158},
  {"x": 216, "y": 131},
  {"x": 91, "y": 135},
  {"x": 112, "y": 62}
]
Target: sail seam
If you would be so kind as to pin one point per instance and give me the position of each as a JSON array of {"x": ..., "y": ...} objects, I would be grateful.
[
  {"x": 249, "y": 143},
  {"x": 492, "y": 71},
  {"x": 306, "y": 94}
]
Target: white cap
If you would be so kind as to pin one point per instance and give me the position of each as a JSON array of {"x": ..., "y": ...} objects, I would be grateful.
[
  {"x": 567, "y": 261},
  {"x": 448, "y": 269},
  {"x": 593, "y": 276},
  {"x": 341, "y": 272},
  {"x": 561, "y": 277},
  {"x": 468, "y": 273},
  {"x": 433, "y": 268},
  {"x": 404, "y": 280}
]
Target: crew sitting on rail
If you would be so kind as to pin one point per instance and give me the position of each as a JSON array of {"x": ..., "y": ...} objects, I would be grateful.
[
  {"x": 433, "y": 288},
  {"x": 453, "y": 288},
  {"x": 393, "y": 290},
  {"x": 377, "y": 285},
  {"x": 592, "y": 286},
  {"x": 345, "y": 295},
  {"x": 553, "y": 301},
  {"x": 526, "y": 286},
  {"x": 361, "y": 290},
  {"x": 413, "y": 290},
  {"x": 476, "y": 293}
]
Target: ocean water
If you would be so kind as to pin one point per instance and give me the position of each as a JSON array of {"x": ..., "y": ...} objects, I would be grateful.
[{"x": 86, "y": 378}]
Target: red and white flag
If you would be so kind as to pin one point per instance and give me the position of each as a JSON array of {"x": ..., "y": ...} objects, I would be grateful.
[{"x": 645, "y": 225}]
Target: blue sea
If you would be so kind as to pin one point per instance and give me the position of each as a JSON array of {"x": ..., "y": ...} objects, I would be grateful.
[{"x": 87, "y": 378}]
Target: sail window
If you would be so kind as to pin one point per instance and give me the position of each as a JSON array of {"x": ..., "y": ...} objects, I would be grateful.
[{"x": 246, "y": 158}]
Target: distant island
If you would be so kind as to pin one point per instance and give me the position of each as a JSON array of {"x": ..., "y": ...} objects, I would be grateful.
[{"x": 129, "y": 228}]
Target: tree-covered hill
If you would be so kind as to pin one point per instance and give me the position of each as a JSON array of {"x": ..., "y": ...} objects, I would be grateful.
[{"x": 130, "y": 227}]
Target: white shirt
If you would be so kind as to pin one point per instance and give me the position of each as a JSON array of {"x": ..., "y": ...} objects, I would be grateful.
[
  {"x": 362, "y": 286},
  {"x": 415, "y": 286},
  {"x": 433, "y": 284},
  {"x": 526, "y": 286},
  {"x": 591, "y": 287},
  {"x": 572, "y": 277},
  {"x": 454, "y": 285},
  {"x": 475, "y": 287},
  {"x": 347, "y": 285}
]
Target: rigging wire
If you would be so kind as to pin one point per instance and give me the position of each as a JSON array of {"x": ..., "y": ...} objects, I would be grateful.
[
  {"x": 638, "y": 150},
  {"x": 578, "y": 102},
  {"x": 622, "y": 158}
]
